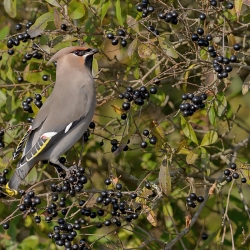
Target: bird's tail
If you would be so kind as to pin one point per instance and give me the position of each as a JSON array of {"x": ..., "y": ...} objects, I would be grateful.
[{"x": 20, "y": 173}]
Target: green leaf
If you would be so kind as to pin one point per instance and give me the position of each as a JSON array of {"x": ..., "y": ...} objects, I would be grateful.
[
  {"x": 2, "y": 99},
  {"x": 33, "y": 77},
  {"x": 221, "y": 103},
  {"x": 246, "y": 173},
  {"x": 76, "y": 9},
  {"x": 10, "y": 7},
  {"x": 132, "y": 23},
  {"x": 118, "y": 12},
  {"x": 4, "y": 32},
  {"x": 205, "y": 160},
  {"x": 95, "y": 68},
  {"x": 30, "y": 242},
  {"x": 167, "y": 47},
  {"x": 53, "y": 2},
  {"x": 9, "y": 104},
  {"x": 40, "y": 24},
  {"x": 212, "y": 116},
  {"x": 132, "y": 47},
  {"x": 34, "y": 108},
  {"x": 137, "y": 73},
  {"x": 9, "y": 72},
  {"x": 159, "y": 98},
  {"x": 209, "y": 138},
  {"x": 164, "y": 177},
  {"x": 31, "y": 178},
  {"x": 188, "y": 130},
  {"x": 203, "y": 54},
  {"x": 105, "y": 4}
]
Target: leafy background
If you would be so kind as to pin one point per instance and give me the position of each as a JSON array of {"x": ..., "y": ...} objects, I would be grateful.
[{"x": 191, "y": 153}]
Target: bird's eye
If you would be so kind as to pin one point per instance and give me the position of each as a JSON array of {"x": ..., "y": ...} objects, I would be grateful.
[
  {"x": 81, "y": 52},
  {"x": 76, "y": 52}
]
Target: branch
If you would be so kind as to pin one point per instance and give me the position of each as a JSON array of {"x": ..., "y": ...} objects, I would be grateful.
[{"x": 186, "y": 230}]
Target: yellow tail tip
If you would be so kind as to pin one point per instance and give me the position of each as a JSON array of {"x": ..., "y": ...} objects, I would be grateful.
[{"x": 9, "y": 191}]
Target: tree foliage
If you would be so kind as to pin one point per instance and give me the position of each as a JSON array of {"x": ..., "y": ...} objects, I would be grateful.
[{"x": 164, "y": 164}]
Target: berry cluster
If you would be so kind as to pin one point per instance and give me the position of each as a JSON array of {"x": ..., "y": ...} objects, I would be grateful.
[
  {"x": 73, "y": 182},
  {"x": 1, "y": 139},
  {"x": 115, "y": 39},
  {"x": 192, "y": 198},
  {"x": 3, "y": 181},
  {"x": 221, "y": 65},
  {"x": 144, "y": 8},
  {"x": 64, "y": 233},
  {"x": 152, "y": 139},
  {"x": 114, "y": 145},
  {"x": 116, "y": 210},
  {"x": 196, "y": 102},
  {"x": 231, "y": 173},
  {"x": 169, "y": 17},
  {"x": 214, "y": 3},
  {"x": 119, "y": 208},
  {"x": 22, "y": 37},
  {"x": 86, "y": 135},
  {"x": 198, "y": 37},
  {"x": 29, "y": 203},
  {"x": 15, "y": 41},
  {"x": 27, "y": 107},
  {"x": 137, "y": 96},
  {"x": 51, "y": 210}
]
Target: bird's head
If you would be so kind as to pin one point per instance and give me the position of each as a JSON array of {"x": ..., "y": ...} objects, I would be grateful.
[{"x": 75, "y": 56}]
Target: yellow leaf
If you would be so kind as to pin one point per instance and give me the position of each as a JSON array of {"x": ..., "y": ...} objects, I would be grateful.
[
  {"x": 118, "y": 110},
  {"x": 132, "y": 47},
  {"x": 191, "y": 157},
  {"x": 144, "y": 51},
  {"x": 246, "y": 85},
  {"x": 209, "y": 138},
  {"x": 133, "y": 23},
  {"x": 164, "y": 177},
  {"x": 151, "y": 217},
  {"x": 167, "y": 47},
  {"x": 57, "y": 20},
  {"x": 184, "y": 151},
  {"x": 34, "y": 108},
  {"x": 186, "y": 74},
  {"x": 246, "y": 173},
  {"x": 181, "y": 145},
  {"x": 158, "y": 132},
  {"x": 238, "y": 6}
]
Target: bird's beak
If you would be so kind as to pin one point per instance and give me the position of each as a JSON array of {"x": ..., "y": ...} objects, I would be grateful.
[{"x": 92, "y": 52}]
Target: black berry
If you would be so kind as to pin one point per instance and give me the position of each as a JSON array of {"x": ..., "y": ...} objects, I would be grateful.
[{"x": 63, "y": 26}]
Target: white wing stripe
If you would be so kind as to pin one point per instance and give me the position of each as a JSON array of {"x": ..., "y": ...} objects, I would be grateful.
[
  {"x": 48, "y": 135},
  {"x": 68, "y": 127}
]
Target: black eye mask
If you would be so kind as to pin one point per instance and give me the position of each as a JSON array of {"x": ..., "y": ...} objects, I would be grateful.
[{"x": 81, "y": 52}]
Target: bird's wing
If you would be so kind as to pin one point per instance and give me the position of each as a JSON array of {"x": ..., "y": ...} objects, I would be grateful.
[
  {"x": 22, "y": 143},
  {"x": 63, "y": 116}
]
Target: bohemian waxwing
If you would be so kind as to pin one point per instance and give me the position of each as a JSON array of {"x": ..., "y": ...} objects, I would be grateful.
[{"x": 65, "y": 115}]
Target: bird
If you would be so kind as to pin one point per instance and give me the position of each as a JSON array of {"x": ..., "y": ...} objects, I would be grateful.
[{"x": 63, "y": 118}]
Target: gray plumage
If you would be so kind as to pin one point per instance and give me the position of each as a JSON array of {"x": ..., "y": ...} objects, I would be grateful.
[{"x": 65, "y": 115}]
